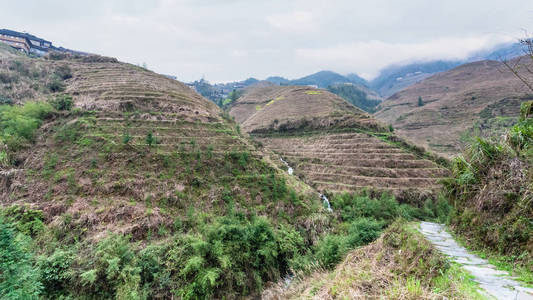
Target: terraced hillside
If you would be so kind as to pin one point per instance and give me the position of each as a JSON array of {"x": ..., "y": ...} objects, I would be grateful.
[
  {"x": 280, "y": 108},
  {"x": 481, "y": 98},
  {"x": 137, "y": 136},
  {"x": 334, "y": 156},
  {"x": 145, "y": 157}
]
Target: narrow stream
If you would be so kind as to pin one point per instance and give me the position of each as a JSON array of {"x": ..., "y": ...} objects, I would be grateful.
[
  {"x": 326, "y": 202},
  {"x": 325, "y": 199},
  {"x": 290, "y": 170}
]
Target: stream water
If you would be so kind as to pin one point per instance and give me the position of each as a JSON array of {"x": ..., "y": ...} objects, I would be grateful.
[
  {"x": 325, "y": 200},
  {"x": 290, "y": 170},
  {"x": 495, "y": 283}
]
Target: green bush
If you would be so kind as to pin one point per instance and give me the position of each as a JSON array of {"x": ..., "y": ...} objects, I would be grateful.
[
  {"x": 232, "y": 256},
  {"x": 55, "y": 272},
  {"x": 18, "y": 277},
  {"x": 18, "y": 123},
  {"x": 386, "y": 208},
  {"x": 155, "y": 277},
  {"x": 5, "y": 100},
  {"x": 62, "y": 102},
  {"x": 64, "y": 72},
  {"x": 55, "y": 85},
  {"x": 26, "y": 220},
  {"x": 363, "y": 231},
  {"x": 151, "y": 139},
  {"x": 126, "y": 138},
  {"x": 114, "y": 271},
  {"x": 331, "y": 250}
]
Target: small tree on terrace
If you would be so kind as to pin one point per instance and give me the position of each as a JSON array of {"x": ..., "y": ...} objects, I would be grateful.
[{"x": 420, "y": 101}]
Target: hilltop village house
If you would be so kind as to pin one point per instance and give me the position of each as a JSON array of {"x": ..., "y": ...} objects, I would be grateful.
[{"x": 25, "y": 42}]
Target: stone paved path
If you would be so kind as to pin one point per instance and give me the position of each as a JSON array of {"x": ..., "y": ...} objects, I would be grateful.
[{"x": 495, "y": 283}]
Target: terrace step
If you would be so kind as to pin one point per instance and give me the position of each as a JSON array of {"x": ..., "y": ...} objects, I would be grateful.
[
  {"x": 355, "y": 155},
  {"x": 384, "y": 182},
  {"x": 347, "y": 151},
  {"x": 380, "y": 163},
  {"x": 376, "y": 172},
  {"x": 335, "y": 187}
]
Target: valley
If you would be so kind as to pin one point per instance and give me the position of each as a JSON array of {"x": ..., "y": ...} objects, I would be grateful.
[{"x": 117, "y": 182}]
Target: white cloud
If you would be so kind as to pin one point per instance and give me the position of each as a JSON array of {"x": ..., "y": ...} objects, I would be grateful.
[
  {"x": 232, "y": 39},
  {"x": 293, "y": 22},
  {"x": 369, "y": 57}
]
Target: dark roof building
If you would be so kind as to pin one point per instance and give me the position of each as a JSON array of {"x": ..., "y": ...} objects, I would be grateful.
[{"x": 36, "y": 45}]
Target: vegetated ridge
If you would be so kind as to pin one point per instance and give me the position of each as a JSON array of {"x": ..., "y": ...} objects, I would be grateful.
[
  {"x": 441, "y": 112},
  {"x": 351, "y": 87},
  {"x": 491, "y": 191},
  {"x": 401, "y": 264},
  {"x": 333, "y": 145},
  {"x": 117, "y": 182}
]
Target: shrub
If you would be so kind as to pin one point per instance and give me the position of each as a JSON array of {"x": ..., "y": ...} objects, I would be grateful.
[
  {"x": 64, "y": 72},
  {"x": 55, "y": 272},
  {"x": 55, "y": 85},
  {"x": 290, "y": 243},
  {"x": 126, "y": 138},
  {"x": 331, "y": 249},
  {"x": 151, "y": 139},
  {"x": 233, "y": 255},
  {"x": 18, "y": 123},
  {"x": 26, "y": 220},
  {"x": 420, "y": 101},
  {"x": 62, "y": 102},
  {"x": 8, "y": 78},
  {"x": 5, "y": 101},
  {"x": 55, "y": 55},
  {"x": 155, "y": 277},
  {"x": 114, "y": 272},
  {"x": 363, "y": 231},
  {"x": 4, "y": 158},
  {"x": 18, "y": 278}
]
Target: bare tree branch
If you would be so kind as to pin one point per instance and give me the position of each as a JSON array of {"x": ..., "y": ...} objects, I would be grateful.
[{"x": 517, "y": 65}]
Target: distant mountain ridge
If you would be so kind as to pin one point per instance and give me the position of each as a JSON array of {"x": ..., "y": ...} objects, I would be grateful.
[
  {"x": 351, "y": 87},
  {"x": 355, "y": 89},
  {"x": 395, "y": 78},
  {"x": 440, "y": 112}
]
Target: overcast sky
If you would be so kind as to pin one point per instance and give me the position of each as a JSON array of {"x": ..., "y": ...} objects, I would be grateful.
[{"x": 226, "y": 40}]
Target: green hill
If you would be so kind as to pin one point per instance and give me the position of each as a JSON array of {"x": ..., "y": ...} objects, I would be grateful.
[{"x": 126, "y": 184}]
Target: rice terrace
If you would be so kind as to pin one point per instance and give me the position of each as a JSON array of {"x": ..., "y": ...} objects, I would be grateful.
[{"x": 266, "y": 150}]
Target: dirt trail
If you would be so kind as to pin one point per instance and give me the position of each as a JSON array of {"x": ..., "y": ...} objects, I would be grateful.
[{"x": 495, "y": 283}]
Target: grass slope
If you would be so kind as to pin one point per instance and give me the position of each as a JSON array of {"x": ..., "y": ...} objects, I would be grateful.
[
  {"x": 491, "y": 191},
  {"x": 401, "y": 264},
  {"x": 475, "y": 98},
  {"x": 143, "y": 189},
  {"x": 333, "y": 145}
]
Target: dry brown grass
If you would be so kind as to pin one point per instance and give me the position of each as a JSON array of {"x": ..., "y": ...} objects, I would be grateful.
[
  {"x": 276, "y": 108},
  {"x": 399, "y": 265},
  {"x": 350, "y": 162},
  {"x": 81, "y": 170},
  {"x": 453, "y": 102}
]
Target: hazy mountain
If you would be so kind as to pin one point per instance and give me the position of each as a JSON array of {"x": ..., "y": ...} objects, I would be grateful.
[
  {"x": 395, "y": 78},
  {"x": 278, "y": 80},
  {"x": 321, "y": 79},
  {"x": 481, "y": 97},
  {"x": 357, "y": 79}
]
